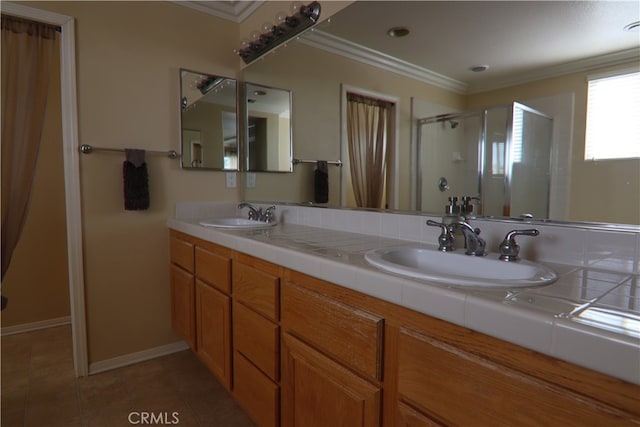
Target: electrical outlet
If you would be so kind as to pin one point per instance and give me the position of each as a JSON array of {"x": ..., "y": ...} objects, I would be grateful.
[
  {"x": 251, "y": 180},
  {"x": 231, "y": 180}
]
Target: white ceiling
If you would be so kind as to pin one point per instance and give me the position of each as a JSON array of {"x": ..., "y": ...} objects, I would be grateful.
[{"x": 519, "y": 40}]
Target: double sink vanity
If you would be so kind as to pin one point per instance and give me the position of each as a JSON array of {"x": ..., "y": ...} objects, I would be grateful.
[{"x": 322, "y": 316}]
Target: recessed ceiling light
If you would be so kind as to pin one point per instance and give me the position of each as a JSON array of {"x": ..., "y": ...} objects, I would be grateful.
[
  {"x": 633, "y": 26},
  {"x": 398, "y": 32},
  {"x": 479, "y": 68}
]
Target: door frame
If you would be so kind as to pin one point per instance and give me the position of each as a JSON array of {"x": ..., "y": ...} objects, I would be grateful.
[{"x": 71, "y": 159}]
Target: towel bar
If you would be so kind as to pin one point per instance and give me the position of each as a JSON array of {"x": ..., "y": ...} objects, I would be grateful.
[
  {"x": 87, "y": 149},
  {"x": 331, "y": 162}
]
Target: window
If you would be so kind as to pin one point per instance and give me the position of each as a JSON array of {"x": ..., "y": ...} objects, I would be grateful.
[{"x": 613, "y": 109}]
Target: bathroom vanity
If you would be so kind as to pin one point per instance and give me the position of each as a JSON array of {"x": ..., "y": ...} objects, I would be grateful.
[{"x": 302, "y": 331}]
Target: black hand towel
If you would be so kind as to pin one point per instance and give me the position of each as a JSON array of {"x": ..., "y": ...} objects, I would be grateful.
[
  {"x": 136, "y": 181},
  {"x": 321, "y": 182}
]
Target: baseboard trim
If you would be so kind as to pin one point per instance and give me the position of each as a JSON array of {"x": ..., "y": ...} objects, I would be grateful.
[
  {"x": 42, "y": 324},
  {"x": 140, "y": 356}
]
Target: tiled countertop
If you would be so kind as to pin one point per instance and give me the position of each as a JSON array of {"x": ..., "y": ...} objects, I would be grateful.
[{"x": 588, "y": 317}]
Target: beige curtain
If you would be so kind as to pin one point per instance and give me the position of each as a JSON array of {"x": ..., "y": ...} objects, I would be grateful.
[
  {"x": 369, "y": 127},
  {"x": 27, "y": 51}
]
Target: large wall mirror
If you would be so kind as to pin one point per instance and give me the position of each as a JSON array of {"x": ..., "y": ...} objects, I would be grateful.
[
  {"x": 208, "y": 121},
  {"x": 268, "y": 129},
  {"x": 319, "y": 63}
]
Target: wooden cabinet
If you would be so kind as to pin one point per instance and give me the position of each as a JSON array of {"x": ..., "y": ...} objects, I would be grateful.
[
  {"x": 298, "y": 351},
  {"x": 332, "y": 359},
  {"x": 318, "y": 392},
  {"x": 213, "y": 309},
  {"x": 182, "y": 288},
  {"x": 256, "y": 338},
  {"x": 213, "y": 323}
]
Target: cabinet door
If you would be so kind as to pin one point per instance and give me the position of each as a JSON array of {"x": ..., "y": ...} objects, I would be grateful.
[
  {"x": 182, "y": 305},
  {"x": 257, "y": 394},
  {"x": 213, "y": 314},
  {"x": 318, "y": 392}
]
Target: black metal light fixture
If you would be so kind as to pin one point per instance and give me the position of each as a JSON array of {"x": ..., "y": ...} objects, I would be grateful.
[{"x": 302, "y": 18}]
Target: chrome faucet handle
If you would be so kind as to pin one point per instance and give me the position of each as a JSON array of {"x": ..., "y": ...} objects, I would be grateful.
[
  {"x": 268, "y": 214},
  {"x": 445, "y": 239},
  {"x": 509, "y": 249}
]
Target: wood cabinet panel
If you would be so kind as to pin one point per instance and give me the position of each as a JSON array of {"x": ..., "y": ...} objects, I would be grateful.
[
  {"x": 257, "y": 288},
  {"x": 181, "y": 251},
  {"x": 351, "y": 335},
  {"x": 318, "y": 392},
  {"x": 257, "y": 394},
  {"x": 213, "y": 319},
  {"x": 213, "y": 265},
  {"x": 182, "y": 305},
  {"x": 462, "y": 388},
  {"x": 409, "y": 417},
  {"x": 258, "y": 339}
]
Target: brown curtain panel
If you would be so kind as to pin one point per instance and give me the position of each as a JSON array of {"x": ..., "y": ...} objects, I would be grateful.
[
  {"x": 368, "y": 128},
  {"x": 27, "y": 51}
]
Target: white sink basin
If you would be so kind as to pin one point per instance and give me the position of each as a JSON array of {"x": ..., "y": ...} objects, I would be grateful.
[
  {"x": 235, "y": 223},
  {"x": 458, "y": 269}
]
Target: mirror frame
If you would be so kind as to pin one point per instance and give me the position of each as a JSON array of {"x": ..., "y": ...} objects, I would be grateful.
[
  {"x": 245, "y": 127},
  {"x": 237, "y": 123}
]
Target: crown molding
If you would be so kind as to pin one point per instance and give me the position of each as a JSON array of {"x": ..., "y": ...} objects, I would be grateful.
[
  {"x": 236, "y": 11},
  {"x": 582, "y": 65},
  {"x": 356, "y": 52}
]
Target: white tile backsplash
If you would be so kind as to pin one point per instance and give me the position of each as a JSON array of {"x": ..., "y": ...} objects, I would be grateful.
[{"x": 612, "y": 250}]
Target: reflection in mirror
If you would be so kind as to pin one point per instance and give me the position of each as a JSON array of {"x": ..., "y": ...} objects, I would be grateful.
[
  {"x": 500, "y": 157},
  {"x": 317, "y": 65},
  {"x": 268, "y": 142},
  {"x": 208, "y": 121}
]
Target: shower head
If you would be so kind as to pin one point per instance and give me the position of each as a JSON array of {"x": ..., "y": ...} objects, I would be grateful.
[{"x": 453, "y": 124}]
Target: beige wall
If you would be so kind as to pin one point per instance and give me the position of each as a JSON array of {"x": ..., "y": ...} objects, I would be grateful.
[
  {"x": 602, "y": 191},
  {"x": 36, "y": 282},
  {"x": 315, "y": 78},
  {"x": 128, "y": 60}
]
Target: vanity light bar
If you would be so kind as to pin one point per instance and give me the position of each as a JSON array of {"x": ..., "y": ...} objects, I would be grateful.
[{"x": 260, "y": 44}]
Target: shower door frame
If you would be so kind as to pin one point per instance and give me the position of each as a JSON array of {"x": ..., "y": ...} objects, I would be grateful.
[{"x": 482, "y": 141}]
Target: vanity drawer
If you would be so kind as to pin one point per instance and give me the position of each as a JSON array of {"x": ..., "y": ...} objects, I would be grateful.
[
  {"x": 258, "y": 339},
  {"x": 181, "y": 251},
  {"x": 342, "y": 331},
  {"x": 213, "y": 265},
  {"x": 436, "y": 376},
  {"x": 256, "y": 285},
  {"x": 257, "y": 394}
]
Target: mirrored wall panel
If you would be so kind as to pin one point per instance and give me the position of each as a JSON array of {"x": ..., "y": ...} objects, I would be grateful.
[
  {"x": 268, "y": 131},
  {"x": 209, "y": 121}
]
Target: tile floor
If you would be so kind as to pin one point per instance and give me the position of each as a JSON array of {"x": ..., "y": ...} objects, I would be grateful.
[{"x": 39, "y": 388}]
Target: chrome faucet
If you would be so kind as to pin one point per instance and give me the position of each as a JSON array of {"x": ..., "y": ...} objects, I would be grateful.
[
  {"x": 472, "y": 241},
  {"x": 254, "y": 214}
]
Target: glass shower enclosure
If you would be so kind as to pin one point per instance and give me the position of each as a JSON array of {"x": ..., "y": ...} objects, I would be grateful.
[{"x": 500, "y": 156}]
